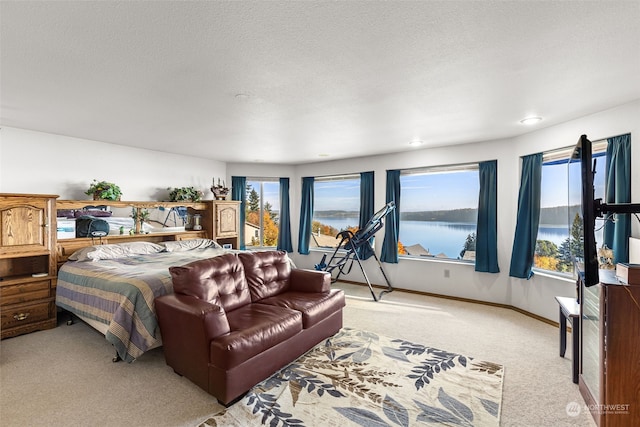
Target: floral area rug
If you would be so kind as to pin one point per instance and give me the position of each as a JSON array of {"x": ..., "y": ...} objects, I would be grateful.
[{"x": 358, "y": 378}]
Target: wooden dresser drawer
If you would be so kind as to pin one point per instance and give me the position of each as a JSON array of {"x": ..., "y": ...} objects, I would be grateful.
[
  {"x": 25, "y": 314},
  {"x": 24, "y": 292}
]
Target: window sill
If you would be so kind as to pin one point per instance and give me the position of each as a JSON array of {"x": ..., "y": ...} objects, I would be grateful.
[
  {"x": 406, "y": 258},
  {"x": 326, "y": 250},
  {"x": 437, "y": 260},
  {"x": 551, "y": 275}
]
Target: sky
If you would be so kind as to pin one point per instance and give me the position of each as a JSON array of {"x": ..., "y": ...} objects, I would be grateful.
[
  {"x": 451, "y": 190},
  {"x": 340, "y": 195},
  {"x": 557, "y": 182},
  {"x": 441, "y": 191}
]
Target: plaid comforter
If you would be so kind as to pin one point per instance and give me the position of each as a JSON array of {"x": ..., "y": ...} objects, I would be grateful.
[{"x": 120, "y": 293}]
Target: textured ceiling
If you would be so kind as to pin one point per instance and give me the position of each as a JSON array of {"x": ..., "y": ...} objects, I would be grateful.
[{"x": 318, "y": 80}]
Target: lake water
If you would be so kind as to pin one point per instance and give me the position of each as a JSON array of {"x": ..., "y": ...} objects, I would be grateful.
[{"x": 443, "y": 237}]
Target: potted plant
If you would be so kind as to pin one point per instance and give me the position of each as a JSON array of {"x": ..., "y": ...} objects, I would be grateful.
[
  {"x": 185, "y": 194},
  {"x": 103, "y": 190}
]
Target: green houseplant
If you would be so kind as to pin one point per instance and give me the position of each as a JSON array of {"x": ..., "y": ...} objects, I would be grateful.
[
  {"x": 185, "y": 194},
  {"x": 103, "y": 190}
]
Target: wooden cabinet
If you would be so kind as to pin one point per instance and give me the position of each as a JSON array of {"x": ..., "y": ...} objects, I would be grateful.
[
  {"x": 222, "y": 220},
  {"x": 27, "y": 263},
  {"x": 610, "y": 357},
  {"x": 227, "y": 222}
]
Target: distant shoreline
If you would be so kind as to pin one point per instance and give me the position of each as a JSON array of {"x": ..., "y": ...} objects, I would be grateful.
[{"x": 559, "y": 215}]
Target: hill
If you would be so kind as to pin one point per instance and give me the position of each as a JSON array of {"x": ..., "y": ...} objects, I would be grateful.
[{"x": 558, "y": 215}]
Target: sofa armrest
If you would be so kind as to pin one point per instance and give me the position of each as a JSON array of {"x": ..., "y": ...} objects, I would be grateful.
[
  {"x": 310, "y": 281},
  {"x": 184, "y": 313},
  {"x": 187, "y": 325}
]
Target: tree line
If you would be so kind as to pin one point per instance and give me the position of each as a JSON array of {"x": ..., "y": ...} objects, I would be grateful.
[{"x": 551, "y": 257}]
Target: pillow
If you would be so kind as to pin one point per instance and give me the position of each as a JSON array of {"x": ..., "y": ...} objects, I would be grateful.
[
  {"x": 187, "y": 245},
  {"x": 120, "y": 250}
]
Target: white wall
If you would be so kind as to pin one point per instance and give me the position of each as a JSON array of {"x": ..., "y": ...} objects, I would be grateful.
[{"x": 36, "y": 162}]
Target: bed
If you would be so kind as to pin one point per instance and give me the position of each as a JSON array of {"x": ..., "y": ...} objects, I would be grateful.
[{"x": 112, "y": 288}]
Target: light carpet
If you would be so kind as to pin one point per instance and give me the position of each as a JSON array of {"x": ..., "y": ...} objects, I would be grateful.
[{"x": 362, "y": 378}]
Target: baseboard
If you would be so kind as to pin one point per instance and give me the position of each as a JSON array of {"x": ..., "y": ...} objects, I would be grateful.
[{"x": 469, "y": 300}]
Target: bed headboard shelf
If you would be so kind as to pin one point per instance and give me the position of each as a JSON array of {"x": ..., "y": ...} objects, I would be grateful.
[
  {"x": 220, "y": 221},
  {"x": 79, "y": 204}
]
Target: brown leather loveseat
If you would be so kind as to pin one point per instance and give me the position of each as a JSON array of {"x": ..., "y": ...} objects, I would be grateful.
[{"x": 236, "y": 319}]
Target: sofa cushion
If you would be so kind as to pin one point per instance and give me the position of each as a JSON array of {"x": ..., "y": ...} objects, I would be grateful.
[
  {"x": 219, "y": 280},
  {"x": 267, "y": 273},
  {"x": 254, "y": 329},
  {"x": 313, "y": 306}
]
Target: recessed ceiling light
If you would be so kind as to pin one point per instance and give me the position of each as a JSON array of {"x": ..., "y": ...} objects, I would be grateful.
[
  {"x": 416, "y": 142},
  {"x": 323, "y": 155},
  {"x": 530, "y": 120}
]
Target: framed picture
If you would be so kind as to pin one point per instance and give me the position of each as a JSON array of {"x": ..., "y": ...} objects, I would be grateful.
[{"x": 227, "y": 246}]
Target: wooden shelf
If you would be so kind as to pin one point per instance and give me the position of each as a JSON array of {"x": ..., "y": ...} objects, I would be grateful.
[
  {"x": 128, "y": 236},
  {"x": 21, "y": 253},
  {"x": 79, "y": 204}
]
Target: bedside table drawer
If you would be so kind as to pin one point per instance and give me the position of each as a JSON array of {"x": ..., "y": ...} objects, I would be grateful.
[
  {"x": 25, "y": 314},
  {"x": 24, "y": 292}
]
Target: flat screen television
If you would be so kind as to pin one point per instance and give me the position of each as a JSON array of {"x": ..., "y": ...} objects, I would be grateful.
[{"x": 586, "y": 263}]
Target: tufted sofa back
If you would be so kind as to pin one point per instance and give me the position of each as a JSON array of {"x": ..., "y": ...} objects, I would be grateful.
[
  {"x": 219, "y": 280},
  {"x": 267, "y": 273}
]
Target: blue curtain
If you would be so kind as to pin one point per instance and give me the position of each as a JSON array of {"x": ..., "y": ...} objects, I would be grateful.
[
  {"x": 239, "y": 192},
  {"x": 367, "y": 194},
  {"x": 528, "y": 219},
  {"x": 306, "y": 215},
  {"x": 392, "y": 224},
  {"x": 618, "y": 190},
  {"x": 487, "y": 228},
  {"x": 284, "y": 228}
]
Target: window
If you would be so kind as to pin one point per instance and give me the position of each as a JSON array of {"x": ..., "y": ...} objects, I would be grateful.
[
  {"x": 560, "y": 229},
  {"x": 439, "y": 212},
  {"x": 262, "y": 212},
  {"x": 336, "y": 207}
]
